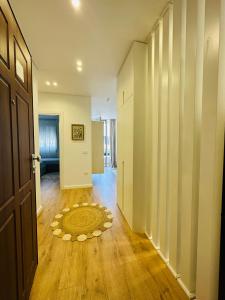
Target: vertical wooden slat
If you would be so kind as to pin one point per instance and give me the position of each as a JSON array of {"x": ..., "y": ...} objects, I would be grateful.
[
  {"x": 211, "y": 158},
  {"x": 188, "y": 212},
  {"x": 173, "y": 141},
  {"x": 163, "y": 137},
  {"x": 190, "y": 139},
  {"x": 148, "y": 137},
  {"x": 155, "y": 108}
]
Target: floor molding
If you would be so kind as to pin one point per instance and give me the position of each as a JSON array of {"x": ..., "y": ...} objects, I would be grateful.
[
  {"x": 39, "y": 211},
  {"x": 187, "y": 292},
  {"x": 154, "y": 245},
  {"x": 190, "y": 295},
  {"x": 73, "y": 187},
  {"x": 148, "y": 236},
  {"x": 175, "y": 274},
  {"x": 166, "y": 260}
]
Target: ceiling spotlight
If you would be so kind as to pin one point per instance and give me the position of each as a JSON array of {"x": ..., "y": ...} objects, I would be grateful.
[
  {"x": 76, "y": 3},
  {"x": 55, "y": 83},
  {"x": 79, "y": 63},
  {"x": 48, "y": 83},
  {"x": 79, "y": 69}
]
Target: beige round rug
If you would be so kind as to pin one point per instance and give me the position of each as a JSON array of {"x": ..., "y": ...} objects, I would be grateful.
[{"x": 81, "y": 222}]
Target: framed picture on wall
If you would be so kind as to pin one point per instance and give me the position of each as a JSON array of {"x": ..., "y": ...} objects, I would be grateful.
[{"x": 77, "y": 132}]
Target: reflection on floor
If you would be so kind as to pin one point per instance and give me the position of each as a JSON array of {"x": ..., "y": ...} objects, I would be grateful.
[
  {"x": 49, "y": 182},
  {"x": 118, "y": 265}
]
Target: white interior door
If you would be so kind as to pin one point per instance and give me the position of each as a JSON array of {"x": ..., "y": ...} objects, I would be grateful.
[{"x": 97, "y": 147}]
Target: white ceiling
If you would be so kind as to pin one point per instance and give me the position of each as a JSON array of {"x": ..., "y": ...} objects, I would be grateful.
[{"x": 99, "y": 33}]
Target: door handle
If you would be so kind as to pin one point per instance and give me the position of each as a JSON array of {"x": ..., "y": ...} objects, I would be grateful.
[{"x": 35, "y": 158}]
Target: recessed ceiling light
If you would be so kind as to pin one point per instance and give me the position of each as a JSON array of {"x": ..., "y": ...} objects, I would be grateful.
[
  {"x": 79, "y": 63},
  {"x": 55, "y": 83},
  {"x": 76, "y": 3},
  {"x": 79, "y": 69},
  {"x": 48, "y": 83}
]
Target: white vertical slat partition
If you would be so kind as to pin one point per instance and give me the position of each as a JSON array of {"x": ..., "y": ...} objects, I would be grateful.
[
  {"x": 184, "y": 141},
  {"x": 175, "y": 74}
]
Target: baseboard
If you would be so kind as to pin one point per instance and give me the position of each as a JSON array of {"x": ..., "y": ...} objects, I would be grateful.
[
  {"x": 73, "y": 187},
  {"x": 187, "y": 292},
  {"x": 174, "y": 273},
  {"x": 154, "y": 245},
  {"x": 166, "y": 260},
  {"x": 39, "y": 211},
  {"x": 148, "y": 236}
]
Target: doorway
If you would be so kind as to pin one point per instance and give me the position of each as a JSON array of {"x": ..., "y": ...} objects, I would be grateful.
[
  {"x": 110, "y": 143},
  {"x": 49, "y": 147}
]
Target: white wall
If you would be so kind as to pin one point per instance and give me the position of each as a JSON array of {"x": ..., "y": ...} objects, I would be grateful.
[
  {"x": 36, "y": 137},
  {"x": 75, "y": 156}
]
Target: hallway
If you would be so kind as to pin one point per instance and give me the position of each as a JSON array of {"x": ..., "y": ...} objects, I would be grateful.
[
  {"x": 118, "y": 265},
  {"x": 126, "y": 100}
]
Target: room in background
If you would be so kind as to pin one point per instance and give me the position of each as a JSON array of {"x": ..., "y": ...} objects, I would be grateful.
[{"x": 49, "y": 143}]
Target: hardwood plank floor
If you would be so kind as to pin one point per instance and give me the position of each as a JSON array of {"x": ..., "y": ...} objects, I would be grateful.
[{"x": 119, "y": 265}]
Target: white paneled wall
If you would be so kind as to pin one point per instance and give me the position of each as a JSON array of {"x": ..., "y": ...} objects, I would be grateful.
[
  {"x": 131, "y": 136},
  {"x": 175, "y": 139},
  {"x": 181, "y": 118}
]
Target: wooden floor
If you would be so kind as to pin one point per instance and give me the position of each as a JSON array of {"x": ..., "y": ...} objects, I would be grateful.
[{"x": 119, "y": 265}]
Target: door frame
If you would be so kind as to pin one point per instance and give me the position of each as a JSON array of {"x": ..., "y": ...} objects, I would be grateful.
[{"x": 61, "y": 148}]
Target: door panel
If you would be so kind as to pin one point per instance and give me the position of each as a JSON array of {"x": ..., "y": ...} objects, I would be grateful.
[
  {"x": 8, "y": 265},
  {"x": 97, "y": 147},
  {"x": 18, "y": 236},
  {"x": 4, "y": 38},
  {"x": 27, "y": 234},
  {"x": 6, "y": 152},
  {"x": 23, "y": 141},
  {"x": 20, "y": 65}
]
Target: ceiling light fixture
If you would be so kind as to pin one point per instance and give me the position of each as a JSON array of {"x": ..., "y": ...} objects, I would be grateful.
[
  {"x": 79, "y": 69},
  {"x": 55, "y": 83},
  {"x": 76, "y": 3},
  {"x": 48, "y": 83},
  {"x": 79, "y": 63}
]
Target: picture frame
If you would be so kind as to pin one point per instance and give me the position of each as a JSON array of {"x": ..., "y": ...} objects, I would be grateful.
[{"x": 77, "y": 132}]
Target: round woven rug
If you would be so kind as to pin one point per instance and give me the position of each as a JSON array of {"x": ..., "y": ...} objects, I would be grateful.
[{"x": 81, "y": 222}]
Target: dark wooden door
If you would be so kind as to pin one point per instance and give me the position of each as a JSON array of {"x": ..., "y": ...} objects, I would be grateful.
[{"x": 18, "y": 238}]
